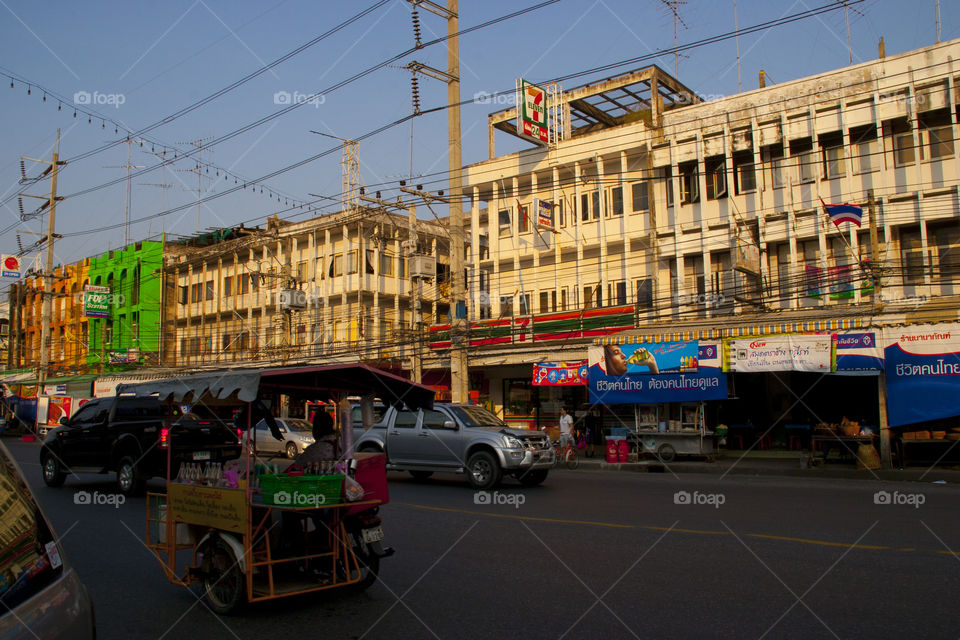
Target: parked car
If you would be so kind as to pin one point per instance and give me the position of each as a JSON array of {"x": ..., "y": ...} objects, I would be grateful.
[
  {"x": 40, "y": 593},
  {"x": 129, "y": 436},
  {"x": 297, "y": 436},
  {"x": 459, "y": 438}
]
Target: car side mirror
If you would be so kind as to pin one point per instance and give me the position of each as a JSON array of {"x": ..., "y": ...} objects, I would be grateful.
[
  {"x": 64, "y": 421},
  {"x": 449, "y": 424}
]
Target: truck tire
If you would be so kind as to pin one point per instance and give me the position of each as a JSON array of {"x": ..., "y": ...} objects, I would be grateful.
[
  {"x": 53, "y": 475},
  {"x": 533, "y": 477},
  {"x": 128, "y": 476},
  {"x": 483, "y": 472}
]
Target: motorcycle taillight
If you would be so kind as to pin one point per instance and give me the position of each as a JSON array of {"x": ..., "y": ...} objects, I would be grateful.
[{"x": 164, "y": 437}]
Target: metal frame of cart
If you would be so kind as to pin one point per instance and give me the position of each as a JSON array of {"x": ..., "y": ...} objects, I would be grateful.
[
  {"x": 667, "y": 445},
  {"x": 232, "y": 528}
]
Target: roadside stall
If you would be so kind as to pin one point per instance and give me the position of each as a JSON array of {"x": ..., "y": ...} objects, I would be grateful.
[
  {"x": 667, "y": 383},
  {"x": 245, "y": 532}
]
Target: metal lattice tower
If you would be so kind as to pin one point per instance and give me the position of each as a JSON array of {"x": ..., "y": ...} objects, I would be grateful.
[{"x": 350, "y": 170}]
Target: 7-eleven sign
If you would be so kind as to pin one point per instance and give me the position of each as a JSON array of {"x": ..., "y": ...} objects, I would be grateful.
[{"x": 532, "y": 112}]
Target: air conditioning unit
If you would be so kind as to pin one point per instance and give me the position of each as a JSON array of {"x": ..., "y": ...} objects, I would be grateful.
[
  {"x": 292, "y": 300},
  {"x": 423, "y": 267}
]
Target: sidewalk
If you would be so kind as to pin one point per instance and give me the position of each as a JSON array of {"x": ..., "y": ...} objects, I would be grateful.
[{"x": 776, "y": 463}]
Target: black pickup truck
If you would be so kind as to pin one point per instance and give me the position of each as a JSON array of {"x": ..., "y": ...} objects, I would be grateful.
[{"x": 130, "y": 436}]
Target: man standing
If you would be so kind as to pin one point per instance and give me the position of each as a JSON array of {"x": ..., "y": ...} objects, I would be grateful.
[{"x": 566, "y": 427}]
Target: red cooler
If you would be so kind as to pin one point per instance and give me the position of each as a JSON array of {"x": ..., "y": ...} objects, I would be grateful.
[
  {"x": 623, "y": 451},
  {"x": 611, "y": 450}
]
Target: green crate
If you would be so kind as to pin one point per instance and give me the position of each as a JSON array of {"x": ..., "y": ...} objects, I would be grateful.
[{"x": 301, "y": 491}]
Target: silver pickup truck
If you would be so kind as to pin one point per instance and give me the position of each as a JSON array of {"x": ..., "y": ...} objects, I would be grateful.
[{"x": 458, "y": 438}]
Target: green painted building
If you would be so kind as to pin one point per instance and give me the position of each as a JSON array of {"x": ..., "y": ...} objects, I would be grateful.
[{"x": 129, "y": 335}]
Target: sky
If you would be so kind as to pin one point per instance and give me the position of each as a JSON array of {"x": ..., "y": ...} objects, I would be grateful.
[{"x": 134, "y": 64}]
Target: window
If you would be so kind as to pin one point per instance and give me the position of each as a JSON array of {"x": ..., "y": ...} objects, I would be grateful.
[
  {"x": 434, "y": 419},
  {"x": 504, "y": 217},
  {"x": 743, "y": 171},
  {"x": 772, "y": 157},
  {"x": 641, "y": 199},
  {"x": 196, "y": 292},
  {"x": 506, "y": 306},
  {"x": 616, "y": 201},
  {"x": 401, "y": 267},
  {"x": 617, "y": 292},
  {"x": 716, "y": 171},
  {"x": 244, "y": 284},
  {"x": 802, "y": 153},
  {"x": 523, "y": 218},
  {"x": 386, "y": 264},
  {"x": 254, "y": 283},
  {"x": 595, "y": 201},
  {"x": 558, "y": 213},
  {"x": 689, "y": 183},
  {"x": 668, "y": 182},
  {"x": 834, "y": 165},
  {"x": 302, "y": 271},
  {"x": 563, "y": 299},
  {"x": 209, "y": 289},
  {"x": 525, "y": 308},
  {"x": 226, "y": 343},
  {"x": 336, "y": 265},
  {"x": 548, "y": 301},
  {"x": 370, "y": 259},
  {"x": 592, "y": 296},
  {"x": 645, "y": 294},
  {"x": 352, "y": 265},
  {"x": 911, "y": 257},
  {"x": 903, "y": 149},
  {"x": 228, "y": 286},
  {"x": 406, "y": 420},
  {"x": 940, "y": 142}
]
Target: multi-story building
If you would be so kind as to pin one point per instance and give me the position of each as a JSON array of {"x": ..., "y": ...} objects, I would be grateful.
[
  {"x": 333, "y": 287},
  {"x": 674, "y": 213}
]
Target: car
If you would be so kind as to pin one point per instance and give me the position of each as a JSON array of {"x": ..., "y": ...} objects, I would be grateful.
[
  {"x": 297, "y": 436},
  {"x": 132, "y": 437},
  {"x": 41, "y": 595}
]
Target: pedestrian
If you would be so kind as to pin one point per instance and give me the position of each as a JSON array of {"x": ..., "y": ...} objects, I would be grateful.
[
  {"x": 594, "y": 431},
  {"x": 566, "y": 427},
  {"x": 325, "y": 443}
]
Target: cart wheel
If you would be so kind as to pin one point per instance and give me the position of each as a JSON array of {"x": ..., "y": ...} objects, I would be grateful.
[
  {"x": 368, "y": 561},
  {"x": 224, "y": 586},
  {"x": 667, "y": 453},
  {"x": 572, "y": 459}
]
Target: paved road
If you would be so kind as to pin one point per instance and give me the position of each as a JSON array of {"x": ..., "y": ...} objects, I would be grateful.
[{"x": 587, "y": 555}]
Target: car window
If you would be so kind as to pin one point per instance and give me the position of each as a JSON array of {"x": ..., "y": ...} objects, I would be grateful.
[
  {"x": 137, "y": 408},
  {"x": 87, "y": 411},
  {"x": 31, "y": 560},
  {"x": 299, "y": 425},
  {"x": 406, "y": 420},
  {"x": 477, "y": 417},
  {"x": 434, "y": 419}
]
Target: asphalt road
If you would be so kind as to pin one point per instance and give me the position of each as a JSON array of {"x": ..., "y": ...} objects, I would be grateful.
[{"x": 589, "y": 554}]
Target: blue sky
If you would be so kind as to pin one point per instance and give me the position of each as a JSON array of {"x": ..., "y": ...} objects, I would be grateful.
[{"x": 144, "y": 61}]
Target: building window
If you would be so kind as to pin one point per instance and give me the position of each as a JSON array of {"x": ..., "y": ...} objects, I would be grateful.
[
  {"x": 834, "y": 165},
  {"x": 716, "y": 171},
  {"x": 617, "y": 292},
  {"x": 336, "y": 265},
  {"x": 640, "y": 196},
  {"x": 802, "y": 153},
  {"x": 592, "y": 296},
  {"x": 386, "y": 264},
  {"x": 668, "y": 185},
  {"x": 558, "y": 213},
  {"x": 616, "y": 201},
  {"x": 772, "y": 157},
  {"x": 302, "y": 275},
  {"x": 689, "y": 183},
  {"x": 911, "y": 257},
  {"x": 244, "y": 284},
  {"x": 523, "y": 218},
  {"x": 506, "y": 306},
  {"x": 645, "y": 294},
  {"x": 744, "y": 172},
  {"x": 209, "y": 289},
  {"x": 504, "y": 217},
  {"x": 196, "y": 292},
  {"x": 936, "y": 133},
  {"x": 401, "y": 267},
  {"x": 525, "y": 308},
  {"x": 548, "y": 301},
  {"x": 563, "y": 299},
  {"x": 352, "y": 266},
  {"x": 254, "y": 283},
  {"x": 589, "y": 206},
  {"x": 228, "y": 286}
]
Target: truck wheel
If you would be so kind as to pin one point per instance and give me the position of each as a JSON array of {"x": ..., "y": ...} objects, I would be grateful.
[
  {"x": 224, "y": 585},
  {"x": 483, "y": 472},
  {"x": 53, "y": 475},
  {"x": 421, "y": 475},
  {"x": 291, "y": 450},
  {"x": 128, "y": 478},
  {"x": 667, "y": 453},
  {"x": 532, "y": 478}
]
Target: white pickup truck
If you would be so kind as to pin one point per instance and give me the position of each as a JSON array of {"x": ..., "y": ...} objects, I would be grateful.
[{"x": 458, "y": 438}]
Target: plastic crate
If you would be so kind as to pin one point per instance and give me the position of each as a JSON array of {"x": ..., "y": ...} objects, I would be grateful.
[{"x": 301, "y": 491}]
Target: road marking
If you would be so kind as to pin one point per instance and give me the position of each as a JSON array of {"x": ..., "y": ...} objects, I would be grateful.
[{"x": 613, "y": 525}]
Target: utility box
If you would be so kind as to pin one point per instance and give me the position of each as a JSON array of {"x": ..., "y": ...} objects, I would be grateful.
[{"x": 423, "y": 266}]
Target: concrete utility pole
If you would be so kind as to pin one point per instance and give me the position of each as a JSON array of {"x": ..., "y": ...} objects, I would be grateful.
[
  {"x": 886, "y": 457},
  {"x": 48, "y": 266}
]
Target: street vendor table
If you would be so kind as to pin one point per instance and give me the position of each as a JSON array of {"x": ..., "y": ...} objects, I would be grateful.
[
  {"x": 667, "y": 445},
  {"x": 847, "y": 444}
]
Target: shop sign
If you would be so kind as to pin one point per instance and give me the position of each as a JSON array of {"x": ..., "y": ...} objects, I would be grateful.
[
  {"x": 218, "y": 508},
  {"x": 59, "y": 407},
  {"x": 702, "y": 383},
  {"x": 120, "y": 357},
  {"x": 782, "y": 353},
  {"x": 859, "y": 352},
  {"x": 54, "y": 389},
  {"x": 532, "y": 112},
  {"x": 543, "y": 212},
  {"x": 560, "y": 374},
  {"x": 922, "y": 365},
  {"x": 11, "y": 266},
  {"x": 96, "y": 301}
]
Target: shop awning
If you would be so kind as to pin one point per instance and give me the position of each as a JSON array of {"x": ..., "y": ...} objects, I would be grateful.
[
  {"x": 731, "y": 331},
  {"x": 69, "y": 386},
  {"x": 17, "y": 377}
]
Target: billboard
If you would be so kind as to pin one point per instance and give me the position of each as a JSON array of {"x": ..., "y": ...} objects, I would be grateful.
[
  {"x": 96, "y": 301},
  {"x": 782, "y": 353},
  {"x": 543, "y": 213},
  {"x": 532, "y": 112},
  {"x": 922, "y": 364},
  {"x": 560, "y": 374},
  {"x": 11, "y": 266},
  {"x": 859, "y": 352}
]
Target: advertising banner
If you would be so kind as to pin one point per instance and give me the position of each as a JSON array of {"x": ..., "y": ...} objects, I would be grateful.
[
  {"x": 543, "y": 212},
  {"x": 96, "y": 301},
  {"x": 560, "y": 374},
  {"x": 611, "y": 381},
  {"x": 532, "y": 112},
  {"x": 11, "y": 266},
  {"x": 782, "y": 353},
  {"x": 859, "y": 352},
  {"x": 58, "y": 407},
  {"x": 922, "y": 364}
]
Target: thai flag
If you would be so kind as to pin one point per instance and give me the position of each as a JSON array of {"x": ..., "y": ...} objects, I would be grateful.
[{"x": 840, "y": 213}]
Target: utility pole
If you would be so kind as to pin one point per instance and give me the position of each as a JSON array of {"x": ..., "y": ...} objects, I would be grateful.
[
  {"x": 886, "y": 457},
  {"x": 51, "y": 204},
  {"x": 126, "y": 210},
  {"x": 198, "y": 169}
]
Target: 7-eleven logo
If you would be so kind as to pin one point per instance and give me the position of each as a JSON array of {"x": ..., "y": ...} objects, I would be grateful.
[{"x": 535, "y": 104}]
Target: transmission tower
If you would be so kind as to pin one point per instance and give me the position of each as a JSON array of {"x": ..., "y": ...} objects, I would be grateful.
[
  {"x": 198, "y": 169},
  {"x": 129, "y": 199},
  {"x": 672, "y": 6}
]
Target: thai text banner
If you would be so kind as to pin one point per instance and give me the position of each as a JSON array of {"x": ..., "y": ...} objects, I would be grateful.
[
  {"x": 922, "y": 365},
  {"x": 782, "y": 353}
]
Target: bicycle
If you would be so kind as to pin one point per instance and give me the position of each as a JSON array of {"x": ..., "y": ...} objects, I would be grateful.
[{"x": 568, "y": 454}]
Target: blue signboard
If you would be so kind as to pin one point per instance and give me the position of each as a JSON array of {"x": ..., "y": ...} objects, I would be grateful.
[
  {"x": 921, "y": 387},
  {"x": 703, "y": 383},
  {"x": 858, "y": 352}
]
